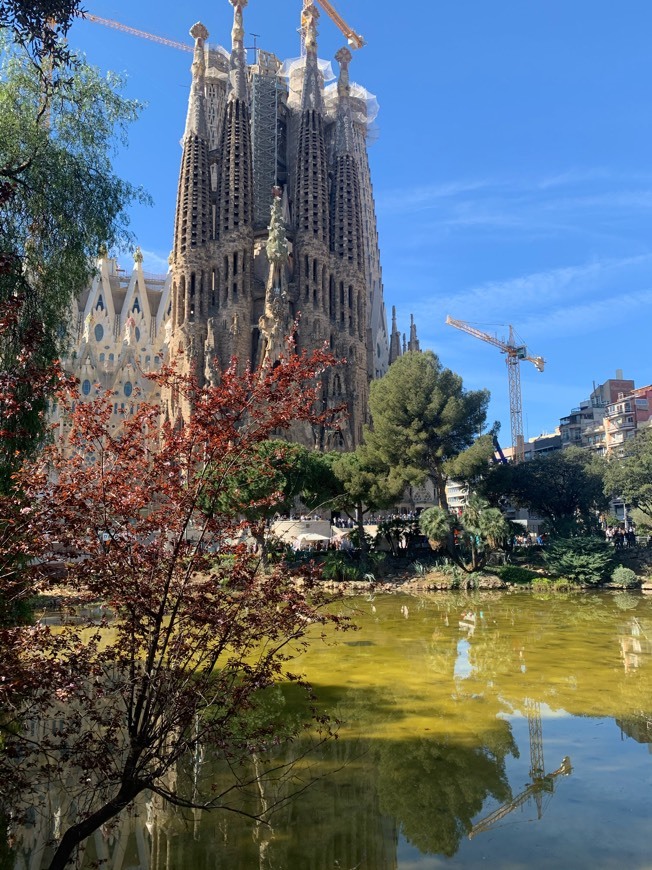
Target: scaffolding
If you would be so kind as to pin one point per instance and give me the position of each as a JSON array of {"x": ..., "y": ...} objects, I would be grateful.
[{"x": 265, "y": 95}]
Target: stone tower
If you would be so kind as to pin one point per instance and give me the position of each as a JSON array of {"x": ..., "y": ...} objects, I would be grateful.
[{"x": 274, "y": 139}]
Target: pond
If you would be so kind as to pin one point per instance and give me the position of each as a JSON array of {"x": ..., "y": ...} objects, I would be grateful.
[{"x": 505, "y": 730}]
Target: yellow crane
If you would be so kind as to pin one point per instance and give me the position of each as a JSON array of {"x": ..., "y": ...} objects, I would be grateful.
[
  {"x": 514, "y": 353},
  {"x": 354, "y": 39},
  {"x": 542, "y": 782},
  {"x": 539, "y": 786},
  {"x": 108, "y": 22}
]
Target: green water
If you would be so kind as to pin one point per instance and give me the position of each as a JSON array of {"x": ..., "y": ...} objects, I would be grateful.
[{"x": 457, "y": 712}]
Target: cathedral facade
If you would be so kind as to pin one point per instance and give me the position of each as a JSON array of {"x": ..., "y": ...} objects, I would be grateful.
[{"x": 275, "y": 231}]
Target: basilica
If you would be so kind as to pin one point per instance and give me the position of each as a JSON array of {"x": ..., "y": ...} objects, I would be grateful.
[{"x": 275, "y": 231}]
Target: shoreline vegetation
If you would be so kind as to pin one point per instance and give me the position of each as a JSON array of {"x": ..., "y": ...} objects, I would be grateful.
[{"x": 408, "y": 578}]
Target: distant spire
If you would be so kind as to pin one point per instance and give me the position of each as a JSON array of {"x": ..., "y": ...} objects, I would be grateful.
[
  {"x": 238, "y": 74},
  {"x": 404, "y": 344},
  {"x": 344, "y": 128},
  {"x": 413, "y": 344},
  {"x": 196, "y": 117},
  {"x": 394, "y": 340},
  {"x": 311, "y": 96}
]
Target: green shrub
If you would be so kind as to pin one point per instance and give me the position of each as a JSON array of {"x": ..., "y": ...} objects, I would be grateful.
[
  {"x": 586, "y": 561},
  {"x": 514, "y": 574},
  {"x": 624, "y": 577},
  {"x": 545, "y": 584},
  {"x": 339, "y": 566}
]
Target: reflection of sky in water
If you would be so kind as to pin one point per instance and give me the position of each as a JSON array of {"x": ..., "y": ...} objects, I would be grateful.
[
  {"x": 411, "y": 746},
  {"x": 462, "y": 663}
]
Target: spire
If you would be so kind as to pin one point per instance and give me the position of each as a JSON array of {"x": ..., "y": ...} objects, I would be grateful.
[
  {"x": 235, "y": 166},
  {"x": 193, "y": 216},
  {"x": 395, "y": 339},
  {"x": 238, "y": 66},
  {"x": 413, "y": 344},
  {"x": 311, "y": 190},
  {"x": 311, "y": 95},
  {"x": 346, "y": 227},
  {"x": 344, "y": 128},
  {"x": 196, "y": 118}
]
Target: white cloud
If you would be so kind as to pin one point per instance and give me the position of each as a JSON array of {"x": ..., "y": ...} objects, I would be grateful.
[
  {"x": 153, "y": 262},
  {"x": 539, "y": 295}
]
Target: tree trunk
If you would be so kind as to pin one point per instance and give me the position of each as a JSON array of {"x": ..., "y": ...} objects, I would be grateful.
[
  {"x": 359, "y": 517},
  {"x": 78, "y": 833},
  {"x": 439, "y": 484}
]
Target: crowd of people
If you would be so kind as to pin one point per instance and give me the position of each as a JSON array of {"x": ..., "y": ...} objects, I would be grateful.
[{"x": 621, "y": 537}]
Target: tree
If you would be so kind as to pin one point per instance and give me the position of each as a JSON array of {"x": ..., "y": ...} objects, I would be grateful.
[
  {"x": 422, "y": 418},
  {"x": 59, "y": 203},
  {"x": 470, "y": 539},
  {"x": 278, "y": 472},
  {"x": 198, "y": 634},
  {"x": 41, "y": 27},
  {"x": 362, "y": 486},
  {"x": 565, "y": 488},
  {"x": 585, "y": 560},
  {"x": 630, "y": 477}
]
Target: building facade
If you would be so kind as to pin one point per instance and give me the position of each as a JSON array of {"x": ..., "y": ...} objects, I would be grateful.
[
  {"x": 275, "y": 228},
  {"x": 275, "y": 234}
]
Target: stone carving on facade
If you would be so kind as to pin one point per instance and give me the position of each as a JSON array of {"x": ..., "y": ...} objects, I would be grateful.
[
  {"x": 130, "y": 330},
  {"x": 88, "y": 322},
  {"x": 274, "y": 323}
]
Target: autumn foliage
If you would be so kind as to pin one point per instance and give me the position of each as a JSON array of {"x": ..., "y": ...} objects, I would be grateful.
[{"x": 197, "y": 630}]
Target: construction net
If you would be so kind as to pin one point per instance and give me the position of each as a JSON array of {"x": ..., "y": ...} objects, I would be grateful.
[
  {"x": 293, "y": 70},
  {"x": 364, "y": 105}
]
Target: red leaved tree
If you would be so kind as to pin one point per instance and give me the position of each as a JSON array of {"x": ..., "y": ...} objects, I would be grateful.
[{"x": 199, "y": 631}]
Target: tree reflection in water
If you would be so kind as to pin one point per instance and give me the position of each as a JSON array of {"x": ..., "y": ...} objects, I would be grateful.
[{"x": 428, "y": 706}]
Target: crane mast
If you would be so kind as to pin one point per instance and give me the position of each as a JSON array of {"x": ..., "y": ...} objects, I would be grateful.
[{"x": 514, "y": 353}]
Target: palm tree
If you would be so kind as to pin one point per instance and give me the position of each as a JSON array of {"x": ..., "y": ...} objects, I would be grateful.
[{"x": 469, "y": 540}]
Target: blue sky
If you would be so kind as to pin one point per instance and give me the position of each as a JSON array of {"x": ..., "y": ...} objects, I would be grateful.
[{"x": 512, "y": 169}]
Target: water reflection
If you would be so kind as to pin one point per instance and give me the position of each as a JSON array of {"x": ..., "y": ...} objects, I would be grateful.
[{"x": 460, "y": 715}]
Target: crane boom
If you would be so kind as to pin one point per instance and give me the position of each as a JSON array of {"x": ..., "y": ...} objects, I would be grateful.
[
  {"x": 354, "y": 39},
  {"x": 514, "y": 353},
  {"x": 108, "y": 22},
  {"x": 543, "y": 783}
]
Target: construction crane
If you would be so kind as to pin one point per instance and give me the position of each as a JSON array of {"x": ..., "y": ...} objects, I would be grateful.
[
  {"x": 354, "y": 39},
  {"x": 108, "y": 22},
  {"x": 514, "y": 353},
  {"x": 542, "y": 783}
]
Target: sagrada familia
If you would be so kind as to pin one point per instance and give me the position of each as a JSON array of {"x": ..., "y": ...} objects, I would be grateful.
[{"x": 275, "y": 224}]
